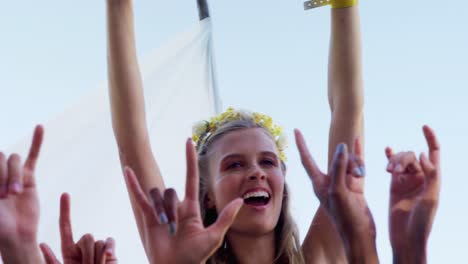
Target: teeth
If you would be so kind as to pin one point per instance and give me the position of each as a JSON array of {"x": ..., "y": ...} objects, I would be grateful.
[{"x": 256, "y": 194}]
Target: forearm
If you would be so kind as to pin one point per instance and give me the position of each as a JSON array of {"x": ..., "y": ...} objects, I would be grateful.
[
  {"x": 125, "y": 84},
  {"x": 345, "y": 84},
  {"x": 126, "y": 95},
  {"x": 127, "y": 102}
]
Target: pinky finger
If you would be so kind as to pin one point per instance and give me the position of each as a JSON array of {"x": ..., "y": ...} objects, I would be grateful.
[
  {"x": 109, "y": 252},
  {"x": 48, "y": 254}
]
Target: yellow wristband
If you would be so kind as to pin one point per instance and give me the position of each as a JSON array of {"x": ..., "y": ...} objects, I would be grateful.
[
  {"x": 334, "y": 3},
  {"x": 343, "y": 3}
]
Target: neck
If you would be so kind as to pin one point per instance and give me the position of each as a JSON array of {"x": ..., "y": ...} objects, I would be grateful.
[{"x": 252, "y": 249}]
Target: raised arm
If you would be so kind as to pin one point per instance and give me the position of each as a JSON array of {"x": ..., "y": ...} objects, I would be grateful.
[
  {"x": 127, "y": 102},
  {"x": 345, "y": 94},
  {"x": 345, "y": 85}
]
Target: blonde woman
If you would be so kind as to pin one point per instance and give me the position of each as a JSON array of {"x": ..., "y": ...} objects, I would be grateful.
[{"x": 242, "y": 146}]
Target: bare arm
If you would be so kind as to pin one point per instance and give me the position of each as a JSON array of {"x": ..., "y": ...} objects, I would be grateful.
[
  {"x": 345, "y": 92},
  {"x": 127, "y": 102}
]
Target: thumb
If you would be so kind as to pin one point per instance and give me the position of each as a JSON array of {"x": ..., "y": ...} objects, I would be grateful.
[
  {"x": 225, "y": 219},
  {"x": 48, "y": 254}
]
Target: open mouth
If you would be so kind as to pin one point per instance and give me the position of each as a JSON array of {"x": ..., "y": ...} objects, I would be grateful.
[{"x": 257, "y": 198}]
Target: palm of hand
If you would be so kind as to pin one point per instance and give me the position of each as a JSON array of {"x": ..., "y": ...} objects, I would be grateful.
[
  {"x": 349, "y": 206},
  {"x": 20, "y": 215},
  {"x": 191, "y": 237},
  {"x": 354, "y": 185},
  {"x": 414, "y": 192},
  {"x": 404, "y": 198},
  {"x": 342, "y": 191},
  {"x": 190, "y": 241}
]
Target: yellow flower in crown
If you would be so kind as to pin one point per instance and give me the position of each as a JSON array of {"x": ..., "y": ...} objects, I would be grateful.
[{"x": 202, "y": 130}]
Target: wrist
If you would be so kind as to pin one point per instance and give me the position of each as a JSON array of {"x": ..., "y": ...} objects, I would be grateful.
[
  {"x": 23, "y": 253},
  {"x": 361, "y": 249},
  {"x": 409, "y": 255}
]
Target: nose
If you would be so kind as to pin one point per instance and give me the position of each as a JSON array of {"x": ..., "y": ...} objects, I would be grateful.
[{"x": 256, "y": 173}]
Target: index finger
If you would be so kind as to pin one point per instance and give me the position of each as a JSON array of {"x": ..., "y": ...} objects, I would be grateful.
[
  {"x": 433, "y": 143},
  {"x": 35, "y": 147},
  {"x": 66, "y": 234},
  {"x": 307, "y": 161},
  {"x": 191, "y": 186}
]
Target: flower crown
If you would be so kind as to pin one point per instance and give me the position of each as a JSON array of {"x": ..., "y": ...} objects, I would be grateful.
[{"x": 202, "y": 130}]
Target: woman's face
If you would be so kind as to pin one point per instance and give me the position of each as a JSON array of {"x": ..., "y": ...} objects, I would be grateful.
[{"x": 245, "y": 163}]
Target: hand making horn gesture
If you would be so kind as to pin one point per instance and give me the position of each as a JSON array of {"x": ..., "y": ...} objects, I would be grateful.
[
  {"x": 341, "y": 192},
  {"x": 414, "y": 197},
  {"x": 19, "y": 205},
  {"x": 175, "y": 229},
  {"x": 86, "y": 250}
]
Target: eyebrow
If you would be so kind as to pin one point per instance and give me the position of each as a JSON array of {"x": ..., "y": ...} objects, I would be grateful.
[{"x": 237, "y": 155}]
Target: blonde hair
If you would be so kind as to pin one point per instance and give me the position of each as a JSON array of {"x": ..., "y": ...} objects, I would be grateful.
[{"x": 287, "y": 246}]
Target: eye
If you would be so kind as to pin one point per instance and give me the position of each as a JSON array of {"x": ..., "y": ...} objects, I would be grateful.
[
  {"x": 234, "y": 165},
  {"x": 268, "y": 162}
]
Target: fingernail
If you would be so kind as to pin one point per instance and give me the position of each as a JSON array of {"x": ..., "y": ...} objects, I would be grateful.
[
  {"x": 360, "y": 171},
  {"x": 15, "y": 188},
  {"x": 163, "y": 218},
  {"x": 172, "y": 228},
  {"x": 109, "y": 250},
  {"x": 340, "y": 149}
]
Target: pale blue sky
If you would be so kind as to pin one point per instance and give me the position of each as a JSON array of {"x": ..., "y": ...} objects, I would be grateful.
[{"x": 272, "y": 57}]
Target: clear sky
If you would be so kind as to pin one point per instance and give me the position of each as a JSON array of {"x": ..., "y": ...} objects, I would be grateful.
[{"x": 272, "y": 57}]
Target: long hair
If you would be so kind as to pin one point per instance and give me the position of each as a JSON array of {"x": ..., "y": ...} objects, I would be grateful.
[{"x": 287, "y": 246}]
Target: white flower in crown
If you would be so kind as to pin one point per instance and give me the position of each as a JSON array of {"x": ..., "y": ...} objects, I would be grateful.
[
  {"x": 245, "y": 114},
  {"x": 199, "y": 129},
  {"x": 282, "y": 142}
]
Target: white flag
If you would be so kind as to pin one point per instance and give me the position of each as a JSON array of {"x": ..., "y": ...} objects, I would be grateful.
[{"x": 80, "y": 155}]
